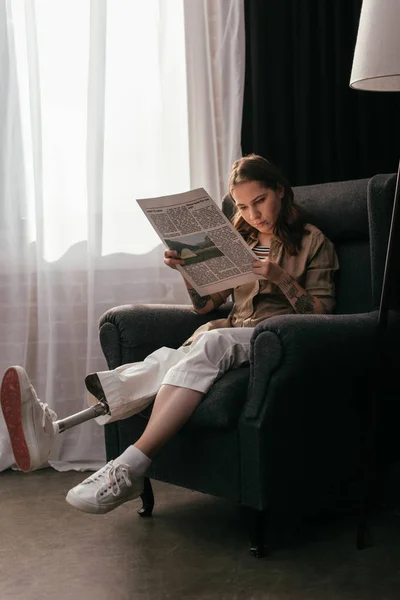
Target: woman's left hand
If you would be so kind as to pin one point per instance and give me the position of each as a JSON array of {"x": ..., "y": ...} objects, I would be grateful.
[{"x": 269, "y": 269}]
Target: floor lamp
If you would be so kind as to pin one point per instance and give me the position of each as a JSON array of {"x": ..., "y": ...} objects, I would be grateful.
[{"x": 376, "y": 68}]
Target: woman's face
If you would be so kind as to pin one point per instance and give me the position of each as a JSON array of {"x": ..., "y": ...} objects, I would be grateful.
[{"x": 258, "y": 205}]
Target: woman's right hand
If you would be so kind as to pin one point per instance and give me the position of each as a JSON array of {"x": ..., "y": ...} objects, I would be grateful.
[{"x": 171, "y": 259}]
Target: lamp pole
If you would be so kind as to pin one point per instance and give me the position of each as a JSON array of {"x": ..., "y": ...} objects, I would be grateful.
[
  {"x": 389, "y": 272},
  {"x": 376, "y": 68}
]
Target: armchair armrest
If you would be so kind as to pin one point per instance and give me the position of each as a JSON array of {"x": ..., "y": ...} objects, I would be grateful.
[
  {"x": 308, "y": 348},
  {"x": 301, "y": 424},
  {"x": 129, "y": 333}
]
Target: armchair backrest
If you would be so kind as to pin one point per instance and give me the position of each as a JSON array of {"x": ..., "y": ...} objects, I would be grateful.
[{"x": 355, "y": 216}]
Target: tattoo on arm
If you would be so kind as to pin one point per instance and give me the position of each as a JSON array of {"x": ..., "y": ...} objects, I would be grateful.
[
  {"x": 304, "y": 303},
  {"x": 197, "y": 300},
  {"x": 288, "y": 288}
]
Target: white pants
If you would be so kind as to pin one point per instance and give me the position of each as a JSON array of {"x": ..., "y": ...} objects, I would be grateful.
[{"x": 130, "y": 388}]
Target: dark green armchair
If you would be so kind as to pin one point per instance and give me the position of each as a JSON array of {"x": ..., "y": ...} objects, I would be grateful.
[{"x": 282, "y": 435}]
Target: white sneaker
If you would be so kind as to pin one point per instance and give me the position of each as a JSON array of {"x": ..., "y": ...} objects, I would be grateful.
[
  {"x": 29, "y": 421},
  {"x": 106, "y": 489}
]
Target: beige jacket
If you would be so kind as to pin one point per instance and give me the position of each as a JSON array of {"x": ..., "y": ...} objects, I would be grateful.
[{"x": 313, "y": 268}]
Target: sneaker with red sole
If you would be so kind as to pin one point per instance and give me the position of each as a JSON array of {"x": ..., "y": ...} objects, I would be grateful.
[{"x": 30, "y": 422}]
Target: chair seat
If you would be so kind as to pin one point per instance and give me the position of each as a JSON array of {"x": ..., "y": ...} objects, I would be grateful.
[{"x": 223, "y": 404}]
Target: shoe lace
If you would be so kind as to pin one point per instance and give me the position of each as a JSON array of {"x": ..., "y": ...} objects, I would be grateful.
[
  {"x": 112, "y": 473},
  {"x": 114, "y": 480},
  {"x": 47, "y": 411}
]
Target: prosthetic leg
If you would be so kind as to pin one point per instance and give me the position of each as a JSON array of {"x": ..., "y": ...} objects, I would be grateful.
[
  {"x": 93, "y": 385},
  {"x": 101, "y": 408}
]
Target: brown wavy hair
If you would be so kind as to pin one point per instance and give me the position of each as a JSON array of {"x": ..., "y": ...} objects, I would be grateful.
[{"x": 290, "y": 227}]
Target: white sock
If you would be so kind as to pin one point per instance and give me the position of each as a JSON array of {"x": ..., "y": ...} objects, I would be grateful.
[{"x": 137, "y": 461}]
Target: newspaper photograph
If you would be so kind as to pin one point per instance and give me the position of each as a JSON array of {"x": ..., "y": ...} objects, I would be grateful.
[{"x": 216, "y": 256}]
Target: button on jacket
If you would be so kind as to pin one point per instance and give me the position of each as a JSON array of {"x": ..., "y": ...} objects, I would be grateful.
[{"x": 313, "y": 268}]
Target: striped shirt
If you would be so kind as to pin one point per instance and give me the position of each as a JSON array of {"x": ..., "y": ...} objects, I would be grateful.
[{"x": 261, "y": 251}]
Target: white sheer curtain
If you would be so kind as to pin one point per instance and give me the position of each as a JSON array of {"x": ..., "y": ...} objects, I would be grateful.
[{"x": 101, "y": 103}]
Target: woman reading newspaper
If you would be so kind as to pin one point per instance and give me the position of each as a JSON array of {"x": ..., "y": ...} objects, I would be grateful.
[{"x": 295, "y": 263}]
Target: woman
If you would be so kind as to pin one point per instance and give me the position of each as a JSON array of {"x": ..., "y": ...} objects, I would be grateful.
[{"x": 295, "y": 264}]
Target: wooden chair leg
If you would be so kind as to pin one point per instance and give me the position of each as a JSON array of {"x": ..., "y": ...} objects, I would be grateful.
[{"x": 147, "y": 497}]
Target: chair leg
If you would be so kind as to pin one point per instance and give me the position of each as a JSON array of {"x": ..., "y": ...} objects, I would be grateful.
[
  {"x": 147, "y": 497},
  {"x": 257, "y": 521}
]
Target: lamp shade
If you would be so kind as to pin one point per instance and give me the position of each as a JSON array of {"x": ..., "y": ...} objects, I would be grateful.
[{"x": 376, "y": 63}]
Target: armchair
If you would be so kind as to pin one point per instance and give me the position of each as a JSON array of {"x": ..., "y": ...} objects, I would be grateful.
[{"x": 283, "y": 434}]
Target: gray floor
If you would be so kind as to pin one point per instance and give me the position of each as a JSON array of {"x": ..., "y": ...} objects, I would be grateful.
[{"x": 194, "y": 547}]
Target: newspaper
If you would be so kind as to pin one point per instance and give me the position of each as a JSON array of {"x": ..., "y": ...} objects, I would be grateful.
[{"x": 216, "y": 256}]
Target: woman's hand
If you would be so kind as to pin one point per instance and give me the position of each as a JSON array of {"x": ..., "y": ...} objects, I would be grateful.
[
  {"x": 171, "y": 259},
  {"x": 269, "y": 269}
]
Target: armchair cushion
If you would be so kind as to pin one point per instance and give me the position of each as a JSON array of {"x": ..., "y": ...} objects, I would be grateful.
[
  {"x": 221, "y": 407},
  {"x": 122, "y": 338}
]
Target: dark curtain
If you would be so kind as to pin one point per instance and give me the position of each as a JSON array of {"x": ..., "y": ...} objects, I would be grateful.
[{"x": 299, "y": 111}]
